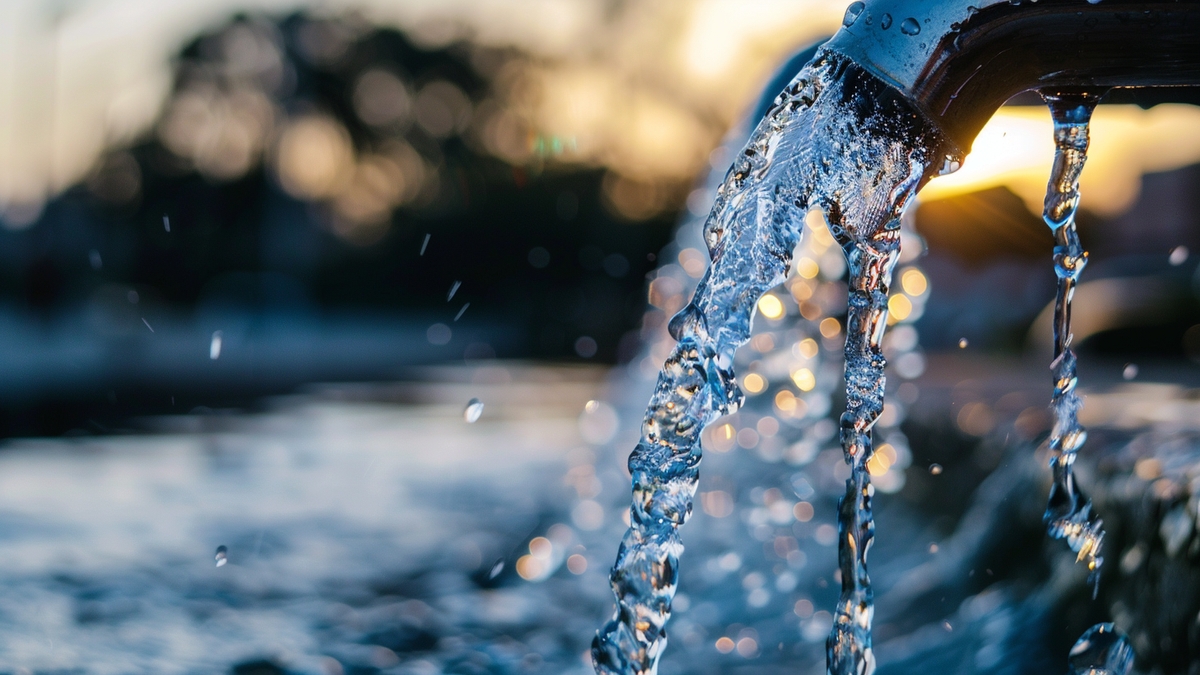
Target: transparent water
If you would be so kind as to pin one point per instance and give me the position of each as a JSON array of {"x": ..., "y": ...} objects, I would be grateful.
[{"x": 830, "y": 142}]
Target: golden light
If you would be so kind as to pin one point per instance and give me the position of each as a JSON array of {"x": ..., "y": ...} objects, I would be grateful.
[
  {"x": 529, "y": 568},
  {"x": 785, "y": 401},
  {"x": 800, "y": 290},
  {"x": 770, "y": 306},
  {"x": 821, "y": 237},
  {"x": 721, "y": 438},
  {"x": 1016, "y": 149},
  {"x": 878, "y": 465},
  {"x": 754, "y": 383},
  {"x": 718, "y": 503},
  {"x": 725, "y": 645},
  {"x": 541, "y": 548},
  {"x": 913, "y": 282},
  {"x": 807, "y": 268},
  {"x": 808, "y": 348},
  {"x": 830, "y": 327},
  {"x": 803, "y": 511},
  {"x": 804, "y": 379},
  {"x": 899, "y": 307}
]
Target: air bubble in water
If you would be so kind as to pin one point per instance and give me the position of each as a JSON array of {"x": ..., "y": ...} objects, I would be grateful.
[
  {"x": 214, "y": 346},
  {"x": 962, "y": 343},
  {"x": 852, "y": 13},
  {"x": 1179, "y": 255},
  {"x": 910, "y": 26},
  {"x": 1130, "y": 372},
  {"x": 1102, "y": 650},
  {"x": 473, "y": 410},
  {"x": 222, "y": 556},
  {"x": 935, "y": 469}
]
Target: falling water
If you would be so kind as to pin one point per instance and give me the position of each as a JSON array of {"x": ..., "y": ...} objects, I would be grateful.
[
  {"x": 1102, "y": 650},
  {"x": 1069, "y": 514},
  {"x": 836, "y": 140}
]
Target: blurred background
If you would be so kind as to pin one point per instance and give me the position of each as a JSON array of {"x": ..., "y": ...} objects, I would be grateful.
[{"x": 256, "y": 256}]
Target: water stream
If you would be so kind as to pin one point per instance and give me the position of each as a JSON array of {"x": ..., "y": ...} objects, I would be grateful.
[
  {"x": 838, "y": 141},
  {"x": 1102, "y": 650}
]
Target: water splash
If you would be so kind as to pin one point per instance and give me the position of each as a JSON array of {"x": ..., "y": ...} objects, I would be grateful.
[
  {"x": 1101, "y": 650},
  {"x": 1069, "y": 514},
  {"x": 836, "y": 139},
  {"x": 222, "y": 555}
]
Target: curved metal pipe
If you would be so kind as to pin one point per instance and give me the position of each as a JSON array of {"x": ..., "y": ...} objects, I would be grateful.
[{"x": 958, "y": 61}]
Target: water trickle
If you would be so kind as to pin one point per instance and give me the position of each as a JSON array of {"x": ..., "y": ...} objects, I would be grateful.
[
  {"x": 852, "y": 13},
  {"x": 1069, "y": 514},
  {"x": 836, "y": 140},
  {"x": 910, "y": 26},
  {"x": 222, "y": 556},
  {"x": 1102, "y": 650},
  {"x": 473, "y": 411}
]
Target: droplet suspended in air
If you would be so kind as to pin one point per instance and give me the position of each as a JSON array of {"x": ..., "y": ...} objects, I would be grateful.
[
  {"x": 214, "y": 346},
  {"x": 496, "y": 569},
  {"x": 425, "y": 243},
  {"x": 852, "y": 13},
  {"x": 962, "y": 343},
  {"x": 453, "y": 289},
  {"x": 222, "y": 555},
  {"x": 94, "y": 259},
  {"x": 935, "y": 469},
  {"x": 1179, "y": 255},
  {"x": 166, "y": 223},
  {"x": 910, "y": 26},
  {"x": 473, "y": 410},
  {"x": 1101, "y": 650},
  {"x": 1130, "y": 371}
]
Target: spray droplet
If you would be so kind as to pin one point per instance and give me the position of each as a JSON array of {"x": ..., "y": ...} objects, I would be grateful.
[
  {"x": 885, "y": 22},
  {"x": 852, "y": 13},
  {"x": 1130, "y": 372},
  {"x": 962, "y": 343},
  {"x": 453, "y": 289},
  {"x": 425, "y": 243},
  {"x": 473, "y": 410},
  {"x": 147, "y": 324},
  {"x": 166, "y": 223},
  {"x": 496, "y": 569},
  {"x": 1101, "y": 650},
  {"x": 222, "y": 556},
  {"x": 462, "y": 311},
  {"x": 1179, "y": 255},
  {"x": 94, "y": 259},
  {"x": 910, "y": 26},
  {"x": 935, "y": 469},
  {"x": 214, "y": 347}
]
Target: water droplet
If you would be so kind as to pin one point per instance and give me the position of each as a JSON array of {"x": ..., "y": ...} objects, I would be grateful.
[
  {"x": 1179, "y": 255},
  {"x": 425, "y": 243},
  {"x": 214, "y": 347},
  {"x": 962, "y": 343},
  {"x": 462, "y": 311},
  {"x": 1101, "y": 650},
  {"x": 935, "y": 469},
  {"x": 910, "y": 26},
  {"x": 496, "y": 569},
  {"x": 1130, "y": 372},
  {"x": 166, "y": 223},
  {"x": 222, "y": 556},
  {"x": 852, "y": 13},
  {"x": 885, "y": 22},
  {"x": 453, "y": 289},
  {"x": 147, "y": 324},
  {"x": 473, "y": 410}
]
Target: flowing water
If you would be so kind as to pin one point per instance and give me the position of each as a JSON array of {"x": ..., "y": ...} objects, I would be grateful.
[
  {"x": 1069, "y": 514},
  {"x": 1102, "y": 650},
  {"x": 837, "y": 141}
]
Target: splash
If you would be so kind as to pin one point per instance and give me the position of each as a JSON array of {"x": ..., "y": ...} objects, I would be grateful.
[
  {"x": 1069, "y": 514},
  {"x": 1101, "y": 650},
  {"x": 836, "y": 140}
]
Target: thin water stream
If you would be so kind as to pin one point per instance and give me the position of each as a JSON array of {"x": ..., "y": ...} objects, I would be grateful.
[
  {"x": 834, "y": 140},
  {"x": 1102, "y": 650}
]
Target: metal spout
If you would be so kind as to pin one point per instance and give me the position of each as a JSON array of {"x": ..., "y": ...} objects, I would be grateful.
[{"x": 957, "y": 61}]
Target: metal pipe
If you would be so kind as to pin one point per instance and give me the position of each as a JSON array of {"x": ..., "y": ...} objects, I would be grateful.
[{"x": 957, "y": 61}]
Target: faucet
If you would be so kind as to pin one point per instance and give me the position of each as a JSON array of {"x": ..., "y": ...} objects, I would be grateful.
[{"x": 957, "y": 61}]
